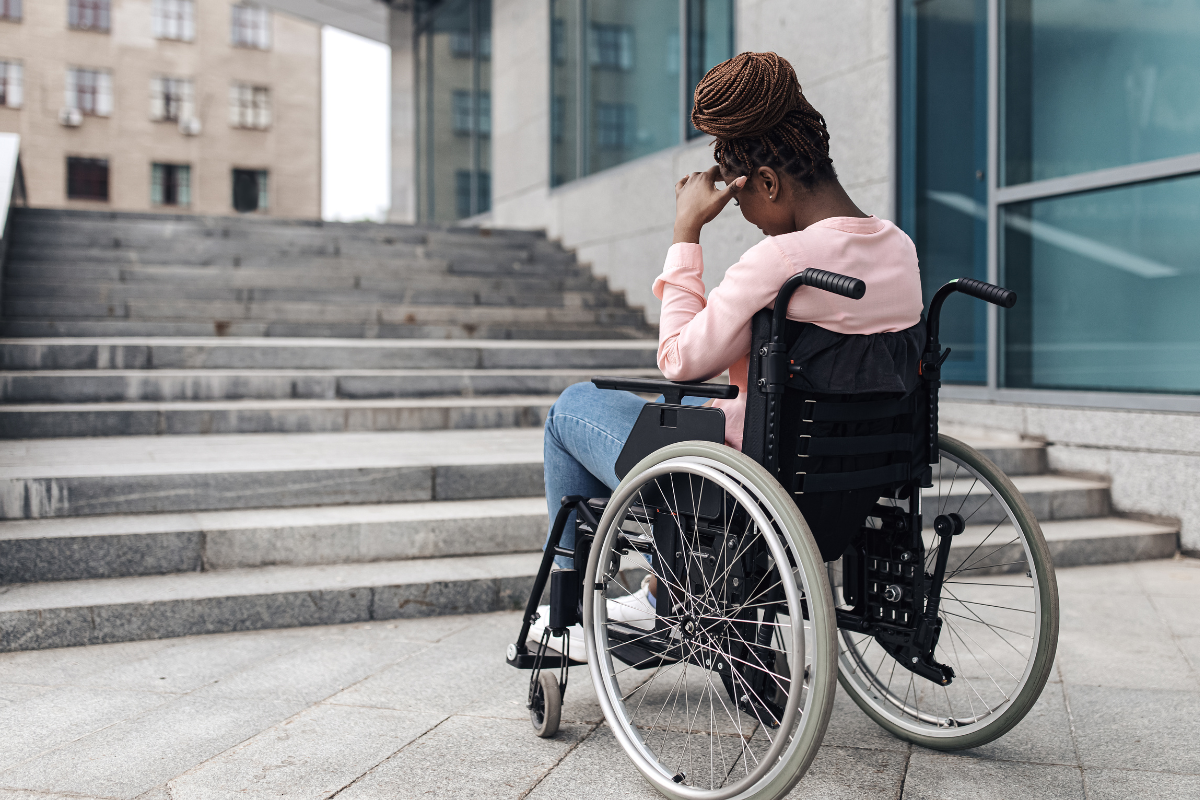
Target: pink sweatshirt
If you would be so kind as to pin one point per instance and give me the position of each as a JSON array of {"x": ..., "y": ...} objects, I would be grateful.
[{"x": 698, "y": 340}]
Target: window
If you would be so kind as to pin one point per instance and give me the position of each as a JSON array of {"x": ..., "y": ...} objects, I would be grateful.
[
  {"x": 174, "y": 19},
  {"x": 454, "y": 118},
  {"x": 87, "y": 178},
  {"x": 171, "y": 99},
  {"x": 460, "y": 108},
  {"x": 170, "y": 185},
  {"x": 88, "y": 15},
  {"x": 10, "y": 10},
  {"x": 622, "y": 77},
  {"x": 1080, "y": 192},
  {"x": 615, "y": 126},
  {"x": 249, "y": 106},
  {"x": 89, "y": 91},
  {"x": 11, "y": 85},
  {"x": 249, "y": 190},
  {"x": 611, "y": 46},
  {"x": 251, "y": 26}
]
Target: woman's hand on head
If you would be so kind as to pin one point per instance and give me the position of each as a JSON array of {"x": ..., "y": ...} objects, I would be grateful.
[{"x": 698, "y": 201}]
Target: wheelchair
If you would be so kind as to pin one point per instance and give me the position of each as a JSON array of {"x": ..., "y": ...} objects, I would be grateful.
[{"x": 927, "y": 590}]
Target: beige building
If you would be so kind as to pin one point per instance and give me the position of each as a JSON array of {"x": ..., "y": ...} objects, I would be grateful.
[{"x": 202, "y": 106}]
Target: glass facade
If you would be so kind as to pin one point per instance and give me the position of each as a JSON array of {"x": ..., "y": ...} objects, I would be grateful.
[
  {"x": 453, "y": 47},
  {"x": 626, "y": 61},
  {"x": 1104, "y": 262},
  {"x": 943, "y": 140}
]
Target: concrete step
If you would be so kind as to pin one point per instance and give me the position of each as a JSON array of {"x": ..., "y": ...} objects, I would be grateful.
[
  {"x": 45, "y": 478},
  {"x": 66, "y": 614},
  {"x": 366, "y": 313},
  {"x": 123, "y": 545},
  {"x": 78, "y": 612},
  {"x": 1050, "y": 497},
  {"x": 60, "y": 420},
  {"x": 391, "y": 286},
  {"x": 148, "y": 352},
  {"x": 108, "y": 327},
  {"x": 161, "y": 385}
]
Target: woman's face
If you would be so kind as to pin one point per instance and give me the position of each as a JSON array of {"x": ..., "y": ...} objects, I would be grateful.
[{"x": 766, "y": 200}]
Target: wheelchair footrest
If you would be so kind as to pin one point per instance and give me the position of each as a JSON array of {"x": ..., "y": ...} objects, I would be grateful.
[{"x": 551, "y": 659}]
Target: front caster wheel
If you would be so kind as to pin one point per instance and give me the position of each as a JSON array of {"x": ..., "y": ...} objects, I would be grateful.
[{"x": 545, "y": 711}]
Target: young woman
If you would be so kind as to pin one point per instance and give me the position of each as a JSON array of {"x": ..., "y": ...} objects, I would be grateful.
[{"x": 772, "y": 154}]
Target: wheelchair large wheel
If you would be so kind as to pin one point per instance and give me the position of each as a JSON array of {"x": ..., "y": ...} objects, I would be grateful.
[
  {"x": 725, "y": 690},
  {"x": 999, "y": 612}
]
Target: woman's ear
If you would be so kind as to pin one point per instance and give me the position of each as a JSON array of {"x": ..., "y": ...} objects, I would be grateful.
[{"x": 770, "y": 182}]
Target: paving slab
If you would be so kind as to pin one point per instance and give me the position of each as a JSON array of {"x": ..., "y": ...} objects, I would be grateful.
[
  {"x": 304, "y": 756},
  {"x": 1119, "y": 784},
  {"x": 937, "y": 776},
  {"x": 468, "y": 757},
  {"x": 1148, "y": 729}
]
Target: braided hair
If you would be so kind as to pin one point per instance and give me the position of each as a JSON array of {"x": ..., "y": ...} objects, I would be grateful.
[{"x": 753, "y": 105}]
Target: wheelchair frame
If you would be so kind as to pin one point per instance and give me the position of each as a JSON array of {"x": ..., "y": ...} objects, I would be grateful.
[{"x": 912, "y": 632}]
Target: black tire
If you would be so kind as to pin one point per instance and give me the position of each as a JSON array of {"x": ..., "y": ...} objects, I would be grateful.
[
  {"x": 546, "y": 711},
  {"x": 1000, "y": 593}
]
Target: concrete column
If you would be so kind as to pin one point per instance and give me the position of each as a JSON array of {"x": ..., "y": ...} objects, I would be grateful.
[
  {"x": 520, "y": 112},
  {"x": 404, "y": 149}
]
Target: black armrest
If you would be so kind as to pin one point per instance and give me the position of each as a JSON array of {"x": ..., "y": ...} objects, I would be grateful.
[{"x": 673, "y": 392}]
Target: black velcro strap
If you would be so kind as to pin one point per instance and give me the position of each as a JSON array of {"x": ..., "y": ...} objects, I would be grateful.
[
  {"x": 855, "y": 412},
  {"x": 855, "y": 445},
  {"x": 844, "y": 481}
]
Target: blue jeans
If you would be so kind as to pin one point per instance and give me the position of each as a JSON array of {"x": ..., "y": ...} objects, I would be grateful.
[{"x": 585, "y": 431}]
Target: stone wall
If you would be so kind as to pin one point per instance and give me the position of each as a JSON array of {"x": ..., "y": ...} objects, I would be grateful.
[{"x": 1152, "y": 457}]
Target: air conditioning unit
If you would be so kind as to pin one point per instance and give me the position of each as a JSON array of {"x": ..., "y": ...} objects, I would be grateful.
[
  {"x": 189, "y": 126},
  {"x": 71, "y": 117}
]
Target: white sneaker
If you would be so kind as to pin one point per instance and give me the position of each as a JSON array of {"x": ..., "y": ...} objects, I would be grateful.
[
  {"x": 635, "y": 609},
  {"x": 575, "y": 632}
]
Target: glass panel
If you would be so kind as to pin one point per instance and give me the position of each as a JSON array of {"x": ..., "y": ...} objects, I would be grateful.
[
  {"x": 633, "y": 80},
  {"x": 1107, "y": 283},
  {"x": 564, "y": 91},
  {"x": 943, "y": 154},
  {"x": 1090, "y": 85},
  {"x": 453, "y": 109},
  {"x": 710, "y": 41}
]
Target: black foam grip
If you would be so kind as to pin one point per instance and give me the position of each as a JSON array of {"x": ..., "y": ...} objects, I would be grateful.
[
  {"x": 996, "y": 295},
  {"x": 844, "y": 285}
]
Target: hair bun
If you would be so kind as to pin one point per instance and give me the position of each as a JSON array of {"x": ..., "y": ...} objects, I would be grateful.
[{"x": 746, "y": 96}]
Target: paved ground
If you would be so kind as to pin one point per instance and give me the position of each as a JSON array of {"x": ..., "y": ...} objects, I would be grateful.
[{"x": 427, "y": 708}]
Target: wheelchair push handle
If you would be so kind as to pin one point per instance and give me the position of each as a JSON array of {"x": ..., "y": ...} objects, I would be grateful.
[
  {"x": 996, "y": 295},
  {"x": 821, "y": 279}
]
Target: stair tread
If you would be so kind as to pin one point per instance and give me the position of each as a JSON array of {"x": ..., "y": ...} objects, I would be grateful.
[
  {"x": 328, "y": 342},
  {"x": 148, "y": 589},
  {"x": 1070, "y": 530},
  {"x": 484, "y": 401},
  {"x": 257, "y": 452},
  {"x": 255, "y": 518}
]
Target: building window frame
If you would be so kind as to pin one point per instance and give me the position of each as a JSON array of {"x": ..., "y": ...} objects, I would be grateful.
[
  {"x": 174, "y": 20},
  {"x": 250, "y": 26},
  {"x": 250, "y": 190},
  {"x": 89, "y": 91},
  {"x": 170, "y": 185},
  {"x": 88, "y": 179},
  {"x": 10, "y": 10},
  {"x": 999, "y": 197},
  {"x": 249, "y": 106},
  {"x": 12, "y": 83},
  {"x": 89, "y": 15},
  {"x": 172, "y": 99}
]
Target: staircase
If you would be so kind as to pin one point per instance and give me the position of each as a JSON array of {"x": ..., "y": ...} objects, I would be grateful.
[{"x": 233, "y": 424}]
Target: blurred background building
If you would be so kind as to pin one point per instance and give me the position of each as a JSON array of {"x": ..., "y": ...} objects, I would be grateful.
[{"x": 163, "y": 105}]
